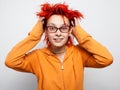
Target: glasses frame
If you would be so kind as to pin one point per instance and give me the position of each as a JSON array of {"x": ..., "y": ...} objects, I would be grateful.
[{"x": 60, "y": 29}]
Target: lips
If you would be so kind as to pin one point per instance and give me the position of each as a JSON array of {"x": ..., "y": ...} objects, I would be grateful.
[{"x": 58, "y": 40}]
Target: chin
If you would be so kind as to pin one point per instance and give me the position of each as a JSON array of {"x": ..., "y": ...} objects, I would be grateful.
[{"x": 58, "y": 45}]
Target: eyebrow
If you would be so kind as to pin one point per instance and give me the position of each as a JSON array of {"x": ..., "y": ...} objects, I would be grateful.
[
  {"x": 51, "y": 24},
  {"x": 55, "y": 25}
]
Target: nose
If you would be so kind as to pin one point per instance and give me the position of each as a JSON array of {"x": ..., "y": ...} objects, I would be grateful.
[{"x": 58, "y": 33}]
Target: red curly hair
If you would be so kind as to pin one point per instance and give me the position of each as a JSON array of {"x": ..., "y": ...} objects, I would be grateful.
[{"x": 48, "y": 10}]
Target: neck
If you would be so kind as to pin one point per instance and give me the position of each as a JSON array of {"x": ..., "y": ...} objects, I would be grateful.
[{"x": 58, "y": 50}]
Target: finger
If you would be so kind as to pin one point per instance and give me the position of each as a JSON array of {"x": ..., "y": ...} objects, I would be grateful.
[
  {"x": 72, "y": 23},
  {"x": 76, "y": 21}
]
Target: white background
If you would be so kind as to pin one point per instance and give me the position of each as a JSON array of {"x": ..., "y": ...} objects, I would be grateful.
[{"x": 102, "y": 21}]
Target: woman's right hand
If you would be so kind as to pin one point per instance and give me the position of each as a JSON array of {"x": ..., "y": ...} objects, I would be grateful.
[{"x": 41, "y": 19}]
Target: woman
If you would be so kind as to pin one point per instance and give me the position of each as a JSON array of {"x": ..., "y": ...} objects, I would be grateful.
[{"x": 60, "y": 65}]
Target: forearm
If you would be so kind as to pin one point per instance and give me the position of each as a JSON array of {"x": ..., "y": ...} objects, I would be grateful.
[
  {"x": 18, "y": 52},
  {"x": 99, "y": 53}
]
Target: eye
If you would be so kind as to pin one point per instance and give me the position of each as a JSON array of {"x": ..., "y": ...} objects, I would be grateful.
[
  {"x": 51, "y": 28},
  {"x": 65, "y": 28}
]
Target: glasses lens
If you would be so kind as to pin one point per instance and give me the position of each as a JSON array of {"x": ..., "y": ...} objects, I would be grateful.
[
  {"x": 51, "y": 28},
  {"x": 64, "y": 29}
]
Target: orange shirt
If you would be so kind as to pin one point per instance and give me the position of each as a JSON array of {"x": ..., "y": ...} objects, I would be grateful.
[{"x": 50, "y": 72}]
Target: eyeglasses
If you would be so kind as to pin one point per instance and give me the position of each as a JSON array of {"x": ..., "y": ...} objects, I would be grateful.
[{"x": 53, "y": 29}]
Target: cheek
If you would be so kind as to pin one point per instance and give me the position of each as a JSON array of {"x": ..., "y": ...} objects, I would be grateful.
[
  {"x": 66, "y": 37},
  {"x": 49, "y": 36}
]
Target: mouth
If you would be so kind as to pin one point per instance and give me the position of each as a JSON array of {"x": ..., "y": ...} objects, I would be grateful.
[{"x": 58, "y": 40}]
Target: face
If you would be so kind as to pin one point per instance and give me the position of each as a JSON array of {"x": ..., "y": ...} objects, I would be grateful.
[{"x": 58, "y": 30}]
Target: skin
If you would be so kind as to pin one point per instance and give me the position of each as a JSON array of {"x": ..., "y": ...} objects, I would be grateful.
[{"x": 58, "y": 39}]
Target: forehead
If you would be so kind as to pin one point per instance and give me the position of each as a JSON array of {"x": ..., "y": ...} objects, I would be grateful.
[{"x": 58, "y": 20}]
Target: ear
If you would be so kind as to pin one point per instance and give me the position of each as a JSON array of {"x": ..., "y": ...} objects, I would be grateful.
[{"x": 45, "y": 32}]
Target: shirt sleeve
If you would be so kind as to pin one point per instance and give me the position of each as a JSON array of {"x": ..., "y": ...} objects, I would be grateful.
[
  {"x": 94, "y": 54},
  {"x": 18, "y": 58}
]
